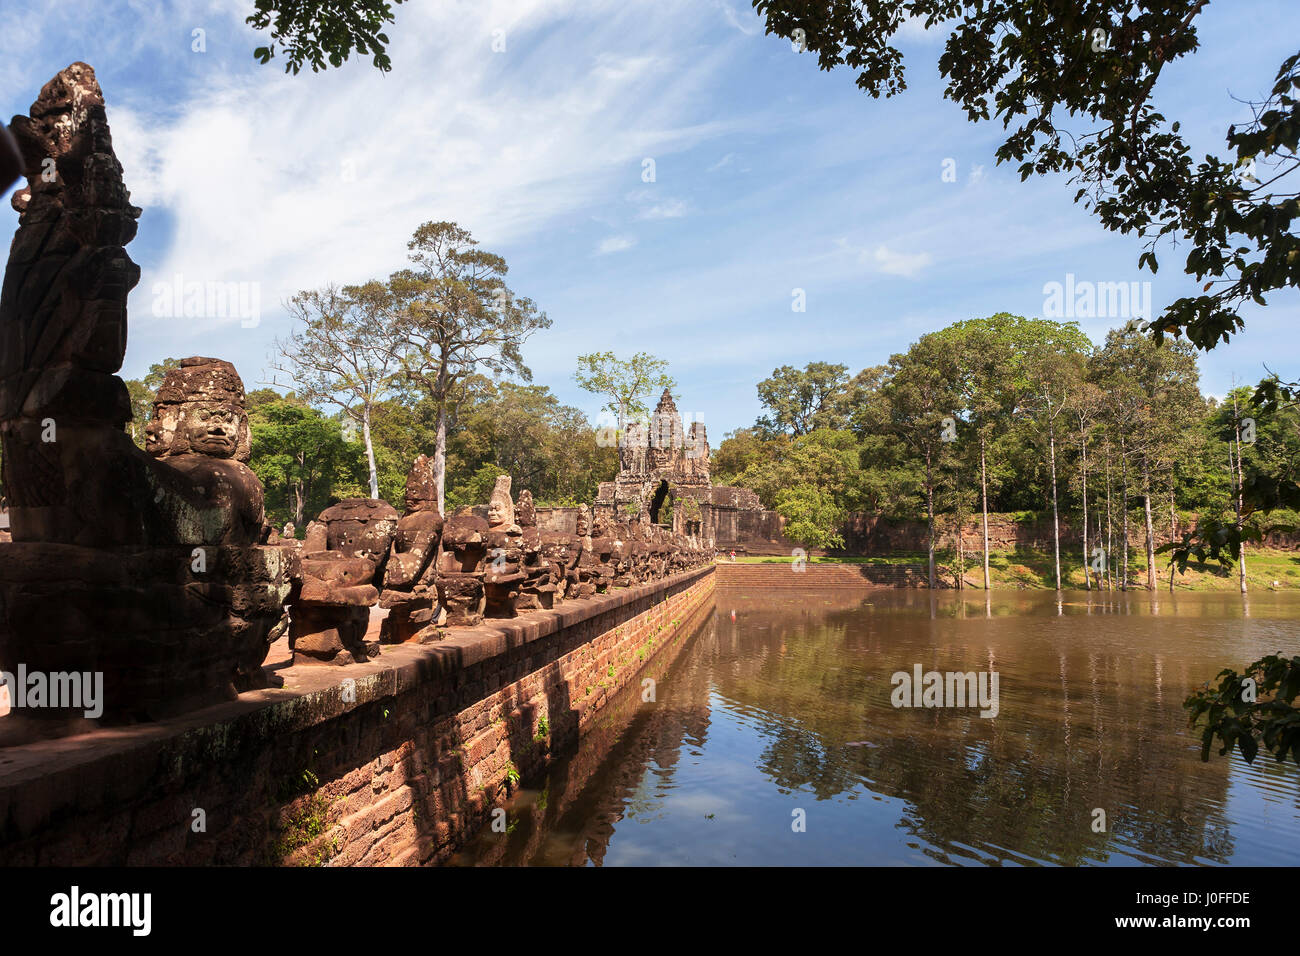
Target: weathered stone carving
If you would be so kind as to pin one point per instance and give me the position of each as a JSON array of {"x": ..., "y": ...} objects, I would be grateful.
[
  {"x": 410, "y": 589},
  {"x": 525, "y": 510},
  {"x": 501, "y": 510},
  {"x": 336, "y": 586},
  {"x": 145, "y": 568}
]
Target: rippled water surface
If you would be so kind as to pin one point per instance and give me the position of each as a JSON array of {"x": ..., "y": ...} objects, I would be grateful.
[{"x": 777, "y": 708}]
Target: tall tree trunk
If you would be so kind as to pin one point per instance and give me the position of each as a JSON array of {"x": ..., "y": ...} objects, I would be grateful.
[
  {"x": 1087, "y": 576},
  {"x": 440, "y": 443},
  {"x": 1056, "y": 520},
  {"x": 1241, "y": 558},
  {"x": 370, "y": 452},
  {"x": 1123, "y": 458},
  {"x": 984, "y": 497},
  {"x": 961, "y": 539},
  {"x": 1146, "y": 506},
  {"x": 1110, "y": 529},
  {"x": 1173, "y": 512},
  {"x": 929, "y": 497},
  {"x": 299, "y": 504}
]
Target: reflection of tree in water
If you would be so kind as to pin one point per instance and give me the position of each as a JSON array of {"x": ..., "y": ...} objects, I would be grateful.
[{"x": 1089, "y": 730}]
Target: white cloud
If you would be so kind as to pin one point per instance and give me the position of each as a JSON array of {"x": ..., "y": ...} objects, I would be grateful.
[
  {"x": 293, "y": 181},
  {"x": 899, "y": 263},
  {"x": 614, "y": 244},
  {"x": 723, "y": 163},
  {"x": 748, "y": 22},
  {"x": 668, "y": 209}
]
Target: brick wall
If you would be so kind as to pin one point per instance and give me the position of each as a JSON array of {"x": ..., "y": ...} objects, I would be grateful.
[{"x": 395, "y": 761}]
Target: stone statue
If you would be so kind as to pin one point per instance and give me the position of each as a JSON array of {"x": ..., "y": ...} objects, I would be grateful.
[
  {"x": 526, "y": 511},
  {"x": 199, "y": 427},
  {"x": 501, "y": 509},
  {"x": 151, "y": 567},
  {"x": 410, "y": 589}
]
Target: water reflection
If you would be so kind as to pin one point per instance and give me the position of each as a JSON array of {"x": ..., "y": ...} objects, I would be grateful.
[{"x": 781, "y": 703}]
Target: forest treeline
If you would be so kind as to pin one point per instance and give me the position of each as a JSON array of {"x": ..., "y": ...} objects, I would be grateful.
[
  {"x": 997, "y": 415},
  {"x": 1007, "y": 414}
]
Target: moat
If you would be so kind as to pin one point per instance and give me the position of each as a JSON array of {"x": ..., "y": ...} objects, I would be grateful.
[{"x": 776, "y": 711}]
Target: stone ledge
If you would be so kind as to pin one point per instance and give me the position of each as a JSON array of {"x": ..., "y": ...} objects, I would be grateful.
[{"x": 48, "y": 779}]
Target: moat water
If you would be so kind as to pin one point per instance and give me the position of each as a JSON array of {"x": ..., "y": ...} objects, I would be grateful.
[{"x": 773, "y": 740}]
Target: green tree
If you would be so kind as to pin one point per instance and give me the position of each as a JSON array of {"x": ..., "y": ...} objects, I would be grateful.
[
  {"x": 624, "y": 382},
  {"x": 1073, "y": 84},
  {"x": 799, "y": 400},
  {"x": 920, "y": 398},
  {"x": 457, "y": 318},
  {"x": 301, "y": 458},
  {"x": 313, "y": 31},
  {"x": 1048, "y": 361},
  {"x": 812, "y": 518},
  {"x": 345, "y": 352},
  {"x": 1153, "y": 400}
]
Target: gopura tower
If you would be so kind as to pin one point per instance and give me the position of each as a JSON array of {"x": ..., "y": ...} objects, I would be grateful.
[{"x": 662, "y": 462}]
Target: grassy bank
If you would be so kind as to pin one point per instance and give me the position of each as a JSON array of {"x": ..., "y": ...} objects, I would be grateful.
[{"x": 1033, "y": 568}]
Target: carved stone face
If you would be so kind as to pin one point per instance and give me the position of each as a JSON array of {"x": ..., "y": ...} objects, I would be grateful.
[
  {"x": 199, "y": 410},
  {"x": 212, "y": 429},
  {"x": 501, "y": 508}
]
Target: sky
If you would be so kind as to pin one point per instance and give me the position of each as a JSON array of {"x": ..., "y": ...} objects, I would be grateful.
[{"x": 660, "y": 177}]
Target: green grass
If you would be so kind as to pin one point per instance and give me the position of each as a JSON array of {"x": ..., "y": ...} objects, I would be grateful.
[{"x": 1033, "y": 568}]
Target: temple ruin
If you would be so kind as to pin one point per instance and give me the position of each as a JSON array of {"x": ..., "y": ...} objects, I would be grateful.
[{"x": 664, "y": 472}]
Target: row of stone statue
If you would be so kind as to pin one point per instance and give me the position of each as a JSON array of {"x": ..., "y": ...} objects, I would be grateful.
[
  {"x": 430, "y": 573},
  {"x": 155, "y": 567}
]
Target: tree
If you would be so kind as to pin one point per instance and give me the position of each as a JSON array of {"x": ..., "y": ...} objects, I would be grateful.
[
  {"x": 141, "y": 393},
  {"x": 982, "y": 349},
  {"x": 346, "y": 353},
  {"x": 801, "y": 400},
  {"x": 301, "y": 457},
  {"x": 1048, "y": 359},
  {"x": 1043, "y": 68},
  {"x": 1153, "y": 400},
  {"x": 624, "y": 383},
  {"x": 811, "y": 515},
  {"x": 921, "y": 395},
  {"x": 456, "y": 317},
  {"x": 737, "y": 451},
  {"x": 318, "y": 30}
]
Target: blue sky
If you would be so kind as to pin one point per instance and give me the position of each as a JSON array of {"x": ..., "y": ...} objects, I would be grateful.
[{"x": 770, "y": 176}]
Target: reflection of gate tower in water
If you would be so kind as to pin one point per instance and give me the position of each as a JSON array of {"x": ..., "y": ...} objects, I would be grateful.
[{"x": 663, "y": 469}]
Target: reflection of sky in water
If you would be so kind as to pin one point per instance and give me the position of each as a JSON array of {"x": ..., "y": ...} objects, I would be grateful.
[{"x": 786, "y": 709}]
